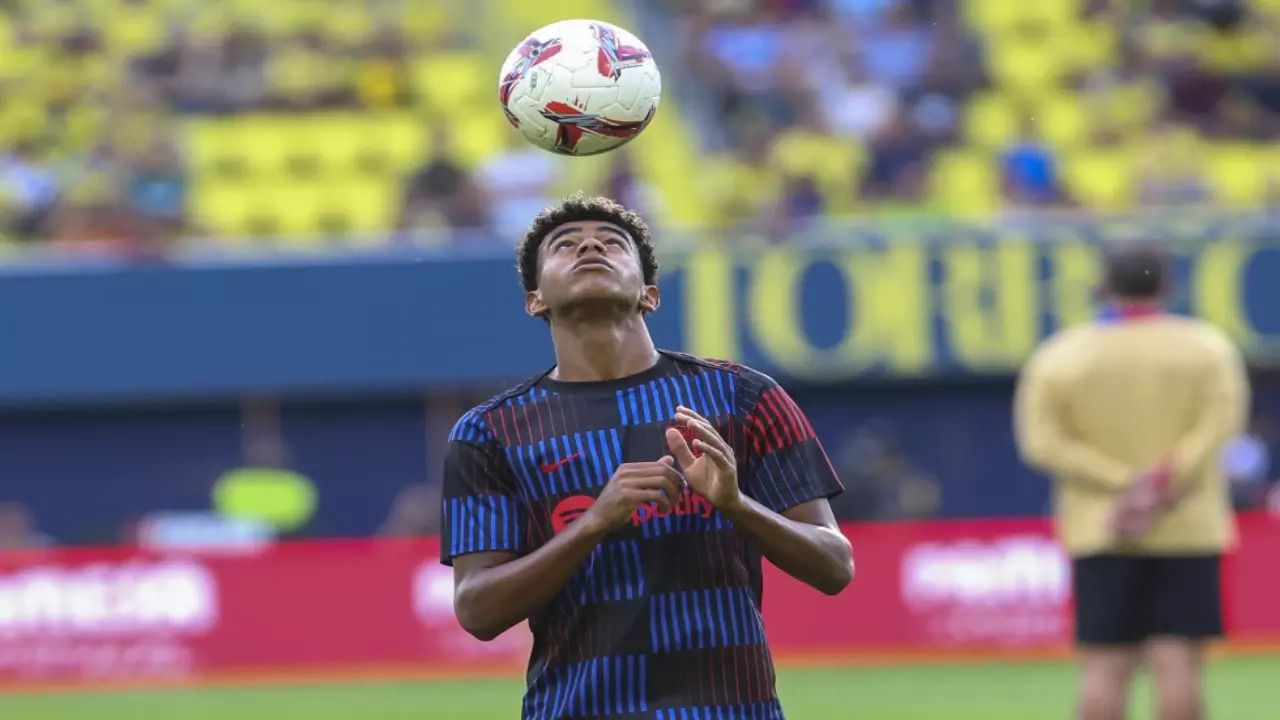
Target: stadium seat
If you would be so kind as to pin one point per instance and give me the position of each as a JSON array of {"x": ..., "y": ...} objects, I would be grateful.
[
  {"x": 833, "y": 164},
  {"x": 214, "y": 149},
  {"x": 1027, "y": 67},
  {"x": 222, "y": 209},
  {"x": 966, "y": 183},
  {"x": 991, "y": 120},
  {"x": 454, "y": 85},
  {"x": 1091, "y": 46},
  {"x": 1102, "y": 179},
  {"x": 360, "y": 209},
  {"x": 1236, "y": 174},
  {"x": 1061, "y": 120}
]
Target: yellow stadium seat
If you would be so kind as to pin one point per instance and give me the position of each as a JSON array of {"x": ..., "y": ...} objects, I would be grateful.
[
  {"x": 222, "y": 209},
  {"x": 135, "y": 30},
  {"x": 1102, "y": 179},
  {"x": 338, "y": 142},
  {"x": 22, "y": 119},
  {"x": 478, "y": 139},
  {"x": 213, "y": 148},
  {"x": 734, "y": 190},
  {"x": 991, "y": 18},
  {"x": 1237, "y": 176},
  {"x": 403, "y": 139},
  {"x": 991, "y": 120},
  {"x": 1027, "y": 67},
  {"x": 294, "y": 211},
  {"x": 966, "y": 183},
  {"x": 349, "y": 24},
  {"x": 832, "y": 163},
  {"x": 275, "y": 146},
  {"x": 995, "y": 17},
  {"x": 367, "y": 209},
  {"x": 1237, "y": 52},
  {"x": 455, "y": 84},
  {"x": 1062, "y": 120},
  {"x": 1091, "y": 46}
]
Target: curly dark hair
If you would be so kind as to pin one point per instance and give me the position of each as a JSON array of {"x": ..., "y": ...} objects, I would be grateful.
[{"x": 577, "y": 208}]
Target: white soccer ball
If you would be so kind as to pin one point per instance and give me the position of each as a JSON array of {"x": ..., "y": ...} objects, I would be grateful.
[{"x": 580, "y": 87}]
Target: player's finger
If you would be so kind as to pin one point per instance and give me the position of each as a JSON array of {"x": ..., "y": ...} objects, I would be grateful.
[
  {"x": 679, "y": 447},
  {"x": 666, "y": 477},
  {"x": 640, "y": 496},
  {"x": 691, "y": 413},
  {"x": 708, "y": 435},
  {"x": 716, "y": 454}
]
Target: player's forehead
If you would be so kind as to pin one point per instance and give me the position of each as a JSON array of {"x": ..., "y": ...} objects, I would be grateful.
[{"x": 579, "y": 229}]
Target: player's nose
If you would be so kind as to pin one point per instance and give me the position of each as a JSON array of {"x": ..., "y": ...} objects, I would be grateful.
[{"x": 590, "y": 243}]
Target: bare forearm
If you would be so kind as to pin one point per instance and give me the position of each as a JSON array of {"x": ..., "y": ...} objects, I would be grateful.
[
  {"x": 492, "y": 600},
  {"x": 817, "y": 556}
]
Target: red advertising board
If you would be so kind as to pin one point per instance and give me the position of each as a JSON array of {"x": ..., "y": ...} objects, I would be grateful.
[{"x": 374, "y": 606}]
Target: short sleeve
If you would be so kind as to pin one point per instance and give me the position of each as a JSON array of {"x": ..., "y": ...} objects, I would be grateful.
[
  {"x": 482, "y": 511},
  {"x": 785, "y": 463}
]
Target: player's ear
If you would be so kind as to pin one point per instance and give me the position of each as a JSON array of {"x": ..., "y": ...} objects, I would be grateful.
[
  {"x": 534, "y": 305},
  {"x": 650, "y": 299}
]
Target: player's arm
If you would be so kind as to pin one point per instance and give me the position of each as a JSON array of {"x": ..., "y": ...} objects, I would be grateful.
[
  {"x": 1045, "y": 443},
  {"x": 785, "y": 485},
  {"x": 1224, "y": 410},
  {"x": 498, "y": 583},
  {"x": 495, "y": 591}
]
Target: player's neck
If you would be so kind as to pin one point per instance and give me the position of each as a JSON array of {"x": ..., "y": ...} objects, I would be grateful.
[{"x": 590, "y": 351}]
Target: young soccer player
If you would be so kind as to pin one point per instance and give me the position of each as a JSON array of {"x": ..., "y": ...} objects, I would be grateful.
[
  {"x": 621, "y": 501},
  {"x": 1129, "y": 414}
]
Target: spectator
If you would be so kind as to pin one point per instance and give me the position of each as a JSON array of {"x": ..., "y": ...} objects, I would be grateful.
[
  {"x": 30, "y": 187},
  {"x": 898, "y": 52},
  {"x": 157, "y": 187},
  {"x": 1247, "y": 465},
  {"x": 415, "y": 512},
  {"x": 442, "y": 195},
  {"x": 881, "y": 482},
  {"x": 18, "y": 529},
  {"x": 519, "y": 184},
  {"x": 854, "y": 106}
]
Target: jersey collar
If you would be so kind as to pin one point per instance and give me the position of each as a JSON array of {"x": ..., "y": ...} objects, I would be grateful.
[{"x": 1125, "y": 312}]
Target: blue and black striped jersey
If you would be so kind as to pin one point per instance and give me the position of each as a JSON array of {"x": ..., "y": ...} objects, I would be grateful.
[{"x": 663, "y": 620}]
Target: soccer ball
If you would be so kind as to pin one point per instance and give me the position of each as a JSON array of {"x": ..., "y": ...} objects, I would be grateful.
[{"x": 580, "y": 87}]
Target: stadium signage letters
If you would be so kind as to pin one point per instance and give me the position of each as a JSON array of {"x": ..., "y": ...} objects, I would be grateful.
[
  {"x": 963, "y": 306},
  {"x": 356, "y": 607},
  {"x": 964, "y": 303}
]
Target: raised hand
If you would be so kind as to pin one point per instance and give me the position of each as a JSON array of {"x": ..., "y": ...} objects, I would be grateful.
[{"x": 712, "y": 471}]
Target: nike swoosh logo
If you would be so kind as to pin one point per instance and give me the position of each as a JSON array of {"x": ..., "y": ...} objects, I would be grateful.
[{"x": 552, "y": 467}]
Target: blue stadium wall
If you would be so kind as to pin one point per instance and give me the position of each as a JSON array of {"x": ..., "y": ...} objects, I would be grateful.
[{"x": 120, "y": 387}]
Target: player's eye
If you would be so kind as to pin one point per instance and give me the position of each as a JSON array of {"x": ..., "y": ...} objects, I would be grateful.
[
  {"x": 611, "y": 240},
  {"x": 562, "y": 244}
]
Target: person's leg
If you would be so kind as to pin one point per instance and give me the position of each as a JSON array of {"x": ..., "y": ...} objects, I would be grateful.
[
  {"x": 1105, "y": 675},
  {"x": 1187, "y": 614},
  {"x": 1110, "y": 628},
  {"x": 1177, "y": 671}
]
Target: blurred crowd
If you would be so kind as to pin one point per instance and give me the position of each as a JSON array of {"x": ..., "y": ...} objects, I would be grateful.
[
  {"x": 915, "y": 109},
  {"x": 891, "y": 106}
]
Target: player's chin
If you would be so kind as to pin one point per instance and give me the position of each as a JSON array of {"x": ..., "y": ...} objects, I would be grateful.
[
  {"x": 597, "y": 285},
  {"x": 599, "y": 294}
]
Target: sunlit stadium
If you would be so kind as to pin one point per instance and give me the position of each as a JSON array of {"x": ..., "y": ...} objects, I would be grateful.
[{"x": 258, "y": 258}]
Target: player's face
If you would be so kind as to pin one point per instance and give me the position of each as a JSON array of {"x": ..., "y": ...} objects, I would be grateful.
[{"x": 590, "y": 264}]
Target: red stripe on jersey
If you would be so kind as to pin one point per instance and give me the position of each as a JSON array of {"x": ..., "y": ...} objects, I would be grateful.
[{"x": 779, "y": 421}]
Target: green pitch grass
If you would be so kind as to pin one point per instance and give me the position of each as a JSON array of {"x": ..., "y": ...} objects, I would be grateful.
[{"x": 1239, "y": 689}]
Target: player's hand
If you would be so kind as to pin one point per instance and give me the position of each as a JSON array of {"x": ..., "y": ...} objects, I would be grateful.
[
  {"x": 708, "y": 462},
  {"x": 1139, "y": 508},
  {"x": 633, "y": 485}
]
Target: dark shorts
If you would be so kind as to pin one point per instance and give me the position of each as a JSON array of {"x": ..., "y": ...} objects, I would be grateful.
[{"x": 1127, "y": 599}]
